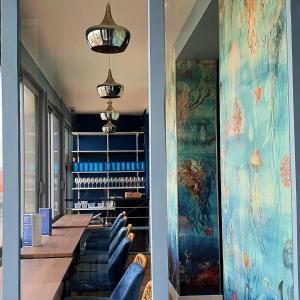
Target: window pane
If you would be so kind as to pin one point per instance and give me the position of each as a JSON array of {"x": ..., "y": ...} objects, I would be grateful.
[
  {"x": 1, "y": 162},
  {"x": 30, "y": 153},
  {"x": 55, "y": 165}
]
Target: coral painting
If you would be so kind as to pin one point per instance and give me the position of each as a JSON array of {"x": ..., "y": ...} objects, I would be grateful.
[
  {"x": 255, "y": 151},
  {"x": 196, "y": 83}
]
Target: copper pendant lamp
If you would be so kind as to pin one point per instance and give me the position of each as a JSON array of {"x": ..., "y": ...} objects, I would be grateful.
[
  {"x": 108, "y": 37},
  {"x": 110, "y": 89},
  {"x": 109, "y": 127},
  {"x": 110, "y": 113}
]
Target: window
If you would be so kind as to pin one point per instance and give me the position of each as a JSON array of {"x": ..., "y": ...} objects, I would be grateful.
[
  {"x": 54, "y": 163},
  {"x": 1, "y": 162},
  {"x": 29, "y": 150}
]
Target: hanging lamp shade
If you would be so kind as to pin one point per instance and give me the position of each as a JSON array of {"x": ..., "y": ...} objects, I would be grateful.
[
  {"x": 110, "y": 89},
  {"x": 110, "y": 113},
  {"x": 108, "y": 37},
  {"x": 109, "y": 127}
]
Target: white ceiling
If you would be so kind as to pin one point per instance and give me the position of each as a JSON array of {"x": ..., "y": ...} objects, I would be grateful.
[{"x": 53, "y": 31}]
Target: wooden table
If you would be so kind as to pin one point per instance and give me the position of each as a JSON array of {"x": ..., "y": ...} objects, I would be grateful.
[
  {"x": 62, "y": 243},
  {"x": 42, "y": 278},
  {"x": 72, "y": 221}
]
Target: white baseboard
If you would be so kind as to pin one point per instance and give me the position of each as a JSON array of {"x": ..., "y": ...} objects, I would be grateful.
[{"x": 175, "y": 295}]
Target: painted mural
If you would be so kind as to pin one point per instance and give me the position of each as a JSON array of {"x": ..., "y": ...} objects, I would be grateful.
[
  {"x": 255, "y": 153},
  {"x": 196, "y": 84},
  {"x": 171, "y": 145}
]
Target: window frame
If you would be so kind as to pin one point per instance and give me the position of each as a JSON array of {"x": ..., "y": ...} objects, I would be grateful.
[{"x": 24, "y": 81}]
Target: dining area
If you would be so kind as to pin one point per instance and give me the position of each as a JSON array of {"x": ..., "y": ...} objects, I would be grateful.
[{"x": 77, "y": 263}]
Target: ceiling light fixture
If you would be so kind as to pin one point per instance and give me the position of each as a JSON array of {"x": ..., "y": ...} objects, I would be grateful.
[
  {"x": 108, "y": 37},
  {"x": 110, "y": 113},
  {"x": 110, "y": 89},
  {"x": 109, "y": 127}
]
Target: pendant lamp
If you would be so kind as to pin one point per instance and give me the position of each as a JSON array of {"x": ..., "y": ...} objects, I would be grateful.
[
  {"x": 108, "y": 37},
  {"x": 110, "y": 89},
  {"x": 109, "y": 127},
  {"x": 110, "y": 113}
]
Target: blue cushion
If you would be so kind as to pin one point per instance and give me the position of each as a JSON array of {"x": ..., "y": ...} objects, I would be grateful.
[
  {"x": 91, "y": 282},
  {"x": 100, "y": 277},
  {"x": 86, "y": 298},
  {"x": 98, "y": 244},
  {"x": 92, "y": 267},
  {"x": 127, "y": 289},
  {"x": 129, "y": 286},
  {"x": 106, "y": 231},
  {"x": 96, "y": 258}
]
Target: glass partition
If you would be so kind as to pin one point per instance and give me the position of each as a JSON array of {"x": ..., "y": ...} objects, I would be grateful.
[
  {"x": 30, "y": 149},
  {"x": 55, "y": 164}
]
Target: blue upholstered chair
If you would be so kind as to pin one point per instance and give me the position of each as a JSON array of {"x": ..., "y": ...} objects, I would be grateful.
[
  {"x": 129, "y": 286},
  {"x": 102, "y": 277},
  {"x": 101, "y": 243},
  {"x": 105, "y": 231},
  {"x": 102, "y": 257}
]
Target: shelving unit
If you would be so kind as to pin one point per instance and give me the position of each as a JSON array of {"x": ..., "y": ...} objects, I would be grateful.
[
  {"x": 103, "y": 147},
  {"x": 117, "y": 147}
]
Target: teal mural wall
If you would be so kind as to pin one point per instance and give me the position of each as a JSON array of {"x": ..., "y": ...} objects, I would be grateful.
[
  {"x": 193, "y": 233},
  {"x": 255, "y": 151},
  {"x": 196, "y": 104}
]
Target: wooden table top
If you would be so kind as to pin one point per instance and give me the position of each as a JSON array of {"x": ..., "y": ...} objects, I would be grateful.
[
  {"x": 41, "y": 278},
  {"x": 62, "y": 243},
  {"x": 71, "y": 221}
]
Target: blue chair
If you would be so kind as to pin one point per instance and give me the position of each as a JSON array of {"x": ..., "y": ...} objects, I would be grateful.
[
  {"x": 102, "y": 257},
  {"x": 129, "y": 286},
  {"x": 98, "y": 243},
  {"x": 105, "y": 231},
  {"x": 102, "y": 277}
]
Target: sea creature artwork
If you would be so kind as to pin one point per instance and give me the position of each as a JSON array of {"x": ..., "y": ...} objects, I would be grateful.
[
  {"x": 256, "y": 175},
  {"x": 285, "y": 171},
  {"x": 196, "y": 107}
]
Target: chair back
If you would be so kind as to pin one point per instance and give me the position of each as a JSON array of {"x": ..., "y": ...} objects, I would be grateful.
[
  {"x": 147, "y": 294},
  {"x": 117, "y": 240},
  {"x": 119, "y": 217},
  {"x": 118, "y": 261},
  {"x": 129, "y": 286},
  {"x": 121, "y": 223},
  {"x": 129, "y": 228},
  {"x": 141, "y": 259}
]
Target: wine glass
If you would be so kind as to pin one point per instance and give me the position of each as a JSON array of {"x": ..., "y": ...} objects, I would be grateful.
[
  {"x": 96, "y": 181},
  {"x": 88, "y": 180},
  {"x": 84, "y": 181},
  {"x": 92, "y": 181},
  {"x": 76, "y": 181},
  {"x": 135, "y": 182},
  {"x": 117, "y": 181},
  {"x": 80, "y": 181}
]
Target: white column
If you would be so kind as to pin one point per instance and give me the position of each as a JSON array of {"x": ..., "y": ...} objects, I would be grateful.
[
  {"x": 157, "y": 149},
  {"x": 11, "y": 150}
]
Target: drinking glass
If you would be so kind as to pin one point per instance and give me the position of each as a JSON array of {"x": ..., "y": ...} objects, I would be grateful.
[
  {"x": 92, "y": 181},
  {"x": 88, "y": 180},
  {"x": 96, "y": 181}
]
